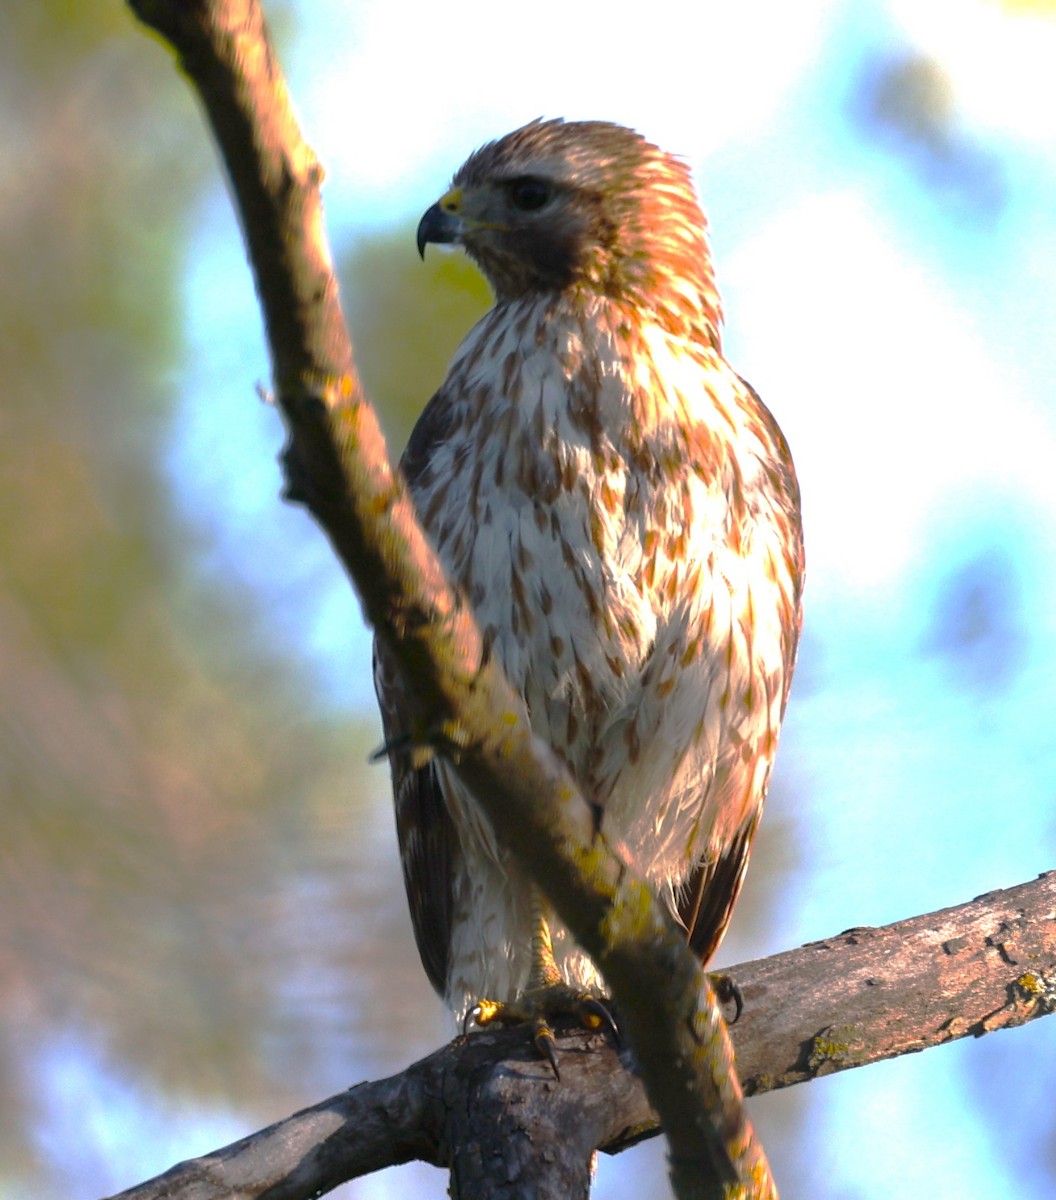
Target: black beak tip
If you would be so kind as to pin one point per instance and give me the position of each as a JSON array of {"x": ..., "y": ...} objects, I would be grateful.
[{"x": 436, "y": 226}]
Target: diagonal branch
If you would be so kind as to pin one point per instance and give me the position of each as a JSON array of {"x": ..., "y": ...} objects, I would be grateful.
[
  {"x": 863, "y": 996},
  {"x": 337, "y": 464}
]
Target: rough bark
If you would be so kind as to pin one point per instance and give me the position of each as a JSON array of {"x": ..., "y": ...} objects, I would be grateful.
[{"x": 487, "y": 1107}]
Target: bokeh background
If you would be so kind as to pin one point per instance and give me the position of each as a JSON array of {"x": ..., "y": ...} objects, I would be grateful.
[{"x": 202, "y": 926}]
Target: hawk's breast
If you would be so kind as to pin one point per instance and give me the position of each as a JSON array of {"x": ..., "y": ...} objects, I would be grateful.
[{"x": 601, "y": 492}]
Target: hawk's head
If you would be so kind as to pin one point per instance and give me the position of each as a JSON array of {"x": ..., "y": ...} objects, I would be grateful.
[{"x": 587, "y": 205}]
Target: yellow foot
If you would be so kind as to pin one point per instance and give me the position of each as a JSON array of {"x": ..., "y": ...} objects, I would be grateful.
[{"x": 537, "y": 1007}]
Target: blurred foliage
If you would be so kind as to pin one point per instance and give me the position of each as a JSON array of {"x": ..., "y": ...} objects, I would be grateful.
[
  {"x": 907, "y": 101},
  {"x": 977, "y": 622},
  {"x": 194, "y": 866}
]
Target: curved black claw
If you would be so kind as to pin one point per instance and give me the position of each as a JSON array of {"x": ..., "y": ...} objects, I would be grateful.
[
  {"x": 543, "y": 1037},
  {"x": 447, "y": 740},
  {"x": 728, "y": 993},
  {"x": 596, "y": 1013},
  {"x": 401, "y": 743}
]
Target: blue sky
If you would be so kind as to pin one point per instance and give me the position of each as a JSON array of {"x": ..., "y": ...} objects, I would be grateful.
[{"x": 891, "y": 297}]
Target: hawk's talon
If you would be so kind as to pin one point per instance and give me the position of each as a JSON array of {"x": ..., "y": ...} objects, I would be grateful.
[
  {"x": 595, "y": 1014},
  {"x": 543, "y": 1037},
  {"x": 727, "y": 992},
  {"x": 537, "y": 1006},
  {"x": 447, "y": 740},
  {"x": 487, "y": 1012},
  {"x": 401, "y": 742}
]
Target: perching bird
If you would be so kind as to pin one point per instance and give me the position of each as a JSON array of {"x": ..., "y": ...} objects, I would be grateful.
[{"x": 622, "y": 512}]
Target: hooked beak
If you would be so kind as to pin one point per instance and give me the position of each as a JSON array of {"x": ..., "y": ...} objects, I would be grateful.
[
  {"x": 438, "y": 225},
  {"x": 443, "y": 222}
]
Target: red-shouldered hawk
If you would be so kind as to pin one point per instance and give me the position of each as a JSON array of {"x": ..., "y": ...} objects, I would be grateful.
[{"x": 622, "y": 512}]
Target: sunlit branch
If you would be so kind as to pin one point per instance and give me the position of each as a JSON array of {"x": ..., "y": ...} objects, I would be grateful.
[{"x": 857, "y": 998}]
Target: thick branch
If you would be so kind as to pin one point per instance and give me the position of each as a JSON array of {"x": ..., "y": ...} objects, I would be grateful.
[
  {"x": 337, "y": 464},
  {"x": 865, "y": 995}
]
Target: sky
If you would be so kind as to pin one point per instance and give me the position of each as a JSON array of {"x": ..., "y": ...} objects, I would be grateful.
[{"x": 889, "y": 291}]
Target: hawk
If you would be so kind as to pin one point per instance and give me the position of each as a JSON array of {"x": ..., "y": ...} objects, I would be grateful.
[{"x": 621, "y": 511}]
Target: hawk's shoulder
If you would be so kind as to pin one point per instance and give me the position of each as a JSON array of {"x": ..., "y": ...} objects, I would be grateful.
[{"x": 431, "y": 429}]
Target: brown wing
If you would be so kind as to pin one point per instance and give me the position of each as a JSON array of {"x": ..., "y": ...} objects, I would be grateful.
[
  {"x": 428, "y": 841},
  {"x": 427, "y": 838}
]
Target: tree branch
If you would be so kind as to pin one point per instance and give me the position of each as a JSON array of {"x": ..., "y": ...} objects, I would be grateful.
[
  {"x": 337, "y": 464},
  {"x": 863, "y": 996}
]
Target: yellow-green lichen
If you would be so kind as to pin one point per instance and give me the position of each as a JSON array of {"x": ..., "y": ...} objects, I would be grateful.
[
  {"x": 831, "y": 1049},
  {"x": 1037, "y": 992},
  {"x": 1030, "y": 984}
]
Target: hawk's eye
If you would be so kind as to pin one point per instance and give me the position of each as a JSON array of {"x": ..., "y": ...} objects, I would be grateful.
[{"x": 528, "y": 194}]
